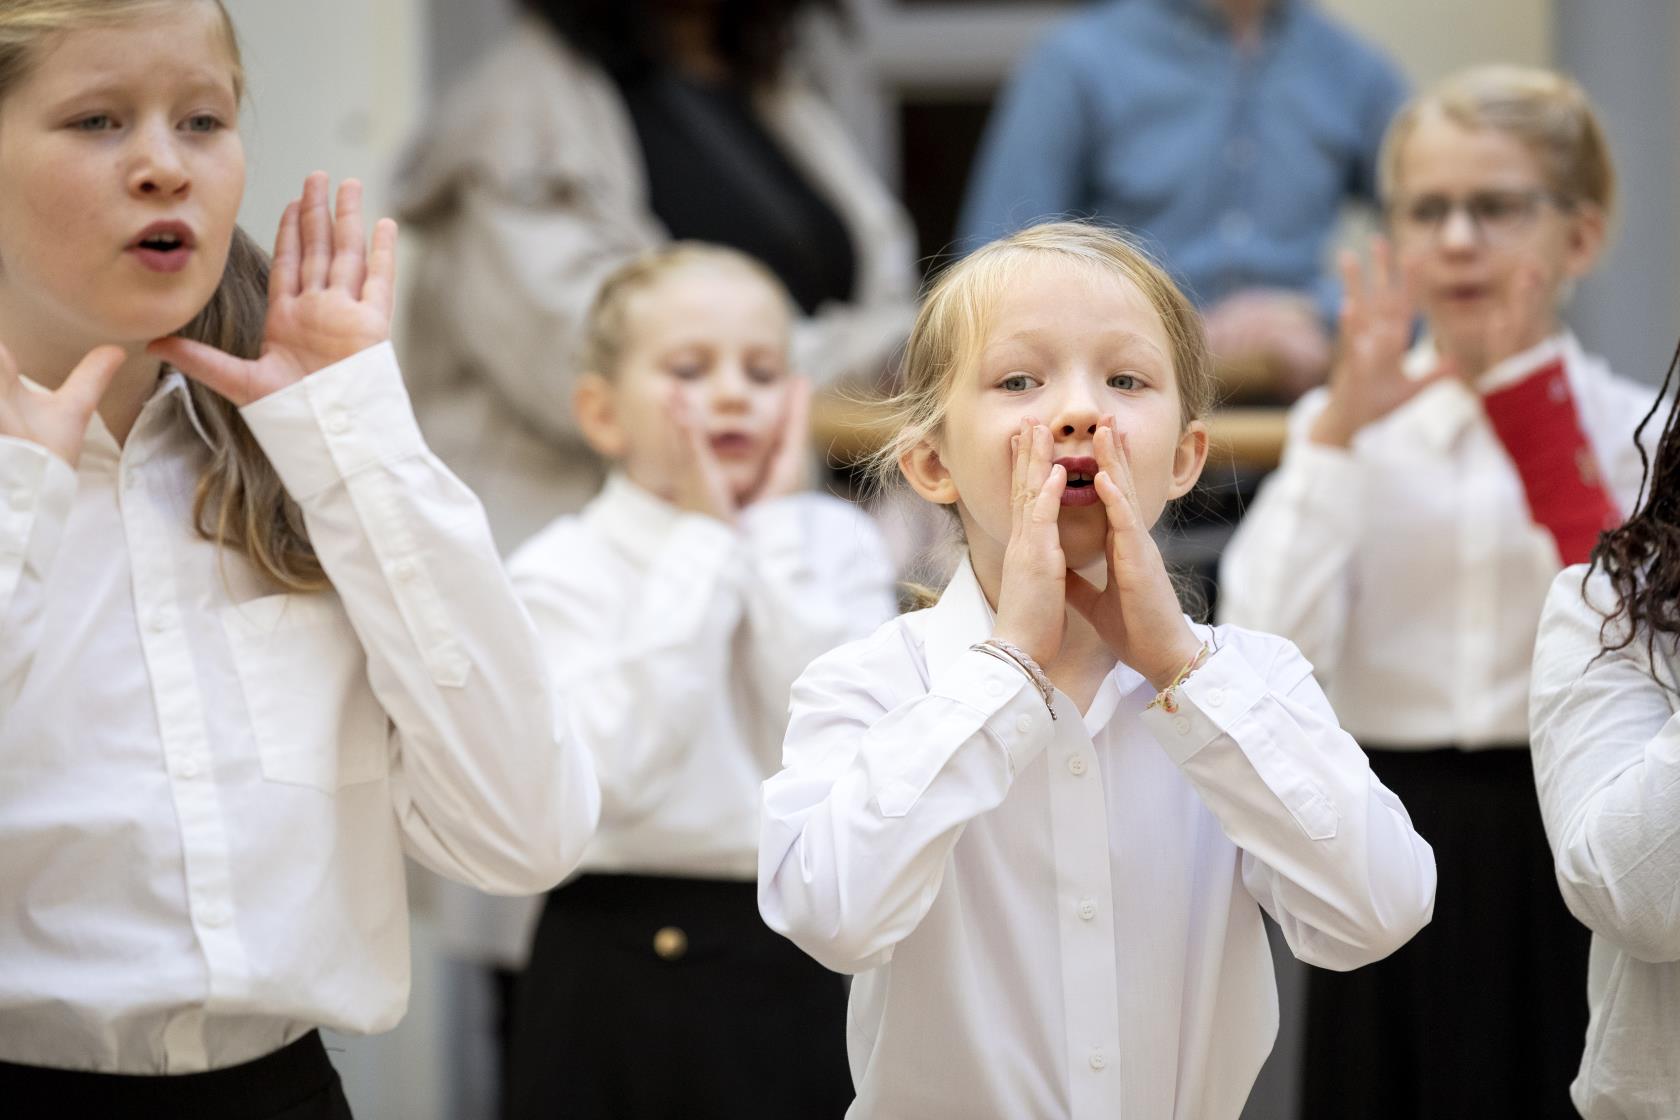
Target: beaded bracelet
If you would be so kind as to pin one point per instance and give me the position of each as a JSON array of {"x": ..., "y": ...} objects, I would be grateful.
[
  {"x": 1018, "y": 657},
  {"x": 1164, "y": 698}
]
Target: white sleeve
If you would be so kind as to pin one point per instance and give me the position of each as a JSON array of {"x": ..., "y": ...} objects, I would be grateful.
[
  {"x": 858, "y": 828},
  {"x": 632, "y": 675},
  {"x": 1286, "y": 570},
  {"x": 1606, "y": 743},
  {"x": 1327, "y": 850},
  {"x": 485, "y": 788},
  {"x": 36, "y": 492},
  {"x": 820, "y": 577}
]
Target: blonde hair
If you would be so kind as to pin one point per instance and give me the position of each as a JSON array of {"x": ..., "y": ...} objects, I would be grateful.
[
  {"x": 240, "y": 502},
  {"x": 1546, "y": 111},
  {"x": 606, "y": 331},
  {"x": 950, "y": 327}
]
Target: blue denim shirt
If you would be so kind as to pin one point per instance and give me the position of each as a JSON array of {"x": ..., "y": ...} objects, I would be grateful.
[{"x": 1230, "y": 167}]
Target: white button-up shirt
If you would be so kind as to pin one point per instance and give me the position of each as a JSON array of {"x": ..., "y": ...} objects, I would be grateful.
[
  {"x": 675, "y": 640},
  {"x": 1607, "y": 761},
  {"x": 206, "y": 789},
  {"x": 1054, "y": 918},
  {"x": 1407, "y": 568}
]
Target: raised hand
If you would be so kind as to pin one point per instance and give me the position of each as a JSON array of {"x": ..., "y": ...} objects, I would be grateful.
[
  {"x": 1368, "y": 380},
  {"x": 329, "y": 297},
  {"x": 784, "y": 474},
  {"x": 1521, "y": 315},
  {"x": 1137, "y": 614},
  {"x": 58, "y": 420},
  {"x": 697, "y": 480},
  {"x": 1032, "y": 599}
]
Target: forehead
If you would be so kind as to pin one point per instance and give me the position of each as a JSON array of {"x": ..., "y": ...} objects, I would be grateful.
[
  {"x": 187, "y": 41},
  {"x": 1442, "y": 154},
  {"x": 1060, "y": 302},
  {"x": 702, "y": 298}
]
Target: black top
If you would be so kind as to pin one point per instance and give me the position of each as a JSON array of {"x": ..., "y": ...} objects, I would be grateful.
[{"x": 716, "y": 174}]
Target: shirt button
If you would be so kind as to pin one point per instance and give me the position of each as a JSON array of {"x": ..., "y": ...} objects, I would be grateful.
[
  {"x": 159, "y": 621},
  {"x": 404, "y": 570},
  {"x": 186, "y": 768},
  {"x": 1215, "y": 697},
  {"x": 670, "y": 943},
  {"x": 1024, "y": 724},
  {"x": 1181, "y": 725},
  {"x": 338, "y": 422},
  {"x": 994, "y": 686},
  {"x": 1087, "y": 909},
  {"x": 216, "y": 916},
  {"x": 1076, "y": 766},
  {"x": 1098, "y": 1058}
]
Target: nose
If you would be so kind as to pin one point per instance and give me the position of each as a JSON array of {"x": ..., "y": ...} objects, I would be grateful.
[
  {"x": 729, "y": 388},
  {"x": 1458, "y": 230},
  {"x": 156, "y": 168},
  {"x": 1076, "y": 412}
]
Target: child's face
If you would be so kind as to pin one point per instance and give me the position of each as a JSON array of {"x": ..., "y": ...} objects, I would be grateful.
[
  {"x": 1472, "y": 209},
  {"x": 1066, "y": 345},
  {"x": 121, "y": 172},
  {"x": 716, "y": 336}
]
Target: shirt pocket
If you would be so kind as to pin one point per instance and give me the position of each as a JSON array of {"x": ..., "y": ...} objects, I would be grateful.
[{"x": 313, "y": 714}]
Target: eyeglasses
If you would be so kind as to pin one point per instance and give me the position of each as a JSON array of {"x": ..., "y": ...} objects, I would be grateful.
[{"x": 1495, "y": 216}]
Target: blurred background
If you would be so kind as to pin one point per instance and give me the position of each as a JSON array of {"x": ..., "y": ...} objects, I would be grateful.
[{"x": 343, "y": 84}]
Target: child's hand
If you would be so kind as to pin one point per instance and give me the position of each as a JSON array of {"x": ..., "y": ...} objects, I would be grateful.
[
  {"x": 57, "y": 421},
  {"x": 328, "y": 298},
  {"x": 697, "y": 481},
  {"x": 1520, "y": 317},
  {"x": 1368, "y": 381},
  {"x": 1032, "y": 600},
  {"x": 1137, "y": 614},
  {"x": 784, "y": 474}
]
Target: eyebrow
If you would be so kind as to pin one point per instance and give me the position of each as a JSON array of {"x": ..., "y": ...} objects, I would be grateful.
[
  {"x": 202, "y": 81},
  {"x": 1033, "y": 337}
]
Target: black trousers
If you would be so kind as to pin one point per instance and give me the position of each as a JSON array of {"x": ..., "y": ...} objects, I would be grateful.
[
  {"x": 1484, "y": 1014},
  {"x": 296, "y": 1082},
  {"x": 651, "y": 998}
]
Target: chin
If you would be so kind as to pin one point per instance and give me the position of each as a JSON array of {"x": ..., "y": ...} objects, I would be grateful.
[{"x": 1084, "y": 545}]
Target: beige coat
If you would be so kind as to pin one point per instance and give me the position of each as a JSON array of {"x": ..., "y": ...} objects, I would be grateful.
[{"x": 528, "y": 190}]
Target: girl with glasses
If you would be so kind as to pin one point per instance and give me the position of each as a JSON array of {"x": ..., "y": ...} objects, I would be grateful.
[{"x": 1428, "y": 496}]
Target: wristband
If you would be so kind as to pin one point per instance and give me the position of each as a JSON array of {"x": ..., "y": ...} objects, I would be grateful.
[{"x": 1023, "y": 661}]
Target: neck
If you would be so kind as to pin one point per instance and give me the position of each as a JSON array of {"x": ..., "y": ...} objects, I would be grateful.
[
  {"x": 48, "y": 362},
  {"x": 1472, "y": 357}
]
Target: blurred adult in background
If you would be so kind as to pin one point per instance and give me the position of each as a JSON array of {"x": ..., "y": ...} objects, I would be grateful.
[
  {"x": 1225, "y": 133},
  {"x": 598, "y": 130}
]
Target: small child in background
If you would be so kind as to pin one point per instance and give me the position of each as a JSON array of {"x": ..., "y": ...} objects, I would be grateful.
[
  {"x": 676, "y": 611},
  {"x": 1425, "y": 502}
]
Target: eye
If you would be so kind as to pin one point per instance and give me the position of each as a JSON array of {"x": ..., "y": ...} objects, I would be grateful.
[
  {"x": 96, "y": 122},
  {"x": 1125, "y": 382},
  {"x": 764, "y": 374},
  {"x": 1017, "y": 383},
  {"x": 686, "y": 371},
  {"x": 204, "y": 122},
  {"x": 1430, "y": 210}
]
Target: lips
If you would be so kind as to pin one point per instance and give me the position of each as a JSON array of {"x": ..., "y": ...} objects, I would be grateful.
[
  {"x": 164, "y": 246},
  {"x": 1082, "y": 480},
  {"x": 733, "y": 444}
]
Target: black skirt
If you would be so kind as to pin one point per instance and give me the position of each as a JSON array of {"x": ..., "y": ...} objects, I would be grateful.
[
  {"x": 296, "y": 1082},
  {"x": 1484, "y": 1013},
  {"x": 651, "y": 998}
]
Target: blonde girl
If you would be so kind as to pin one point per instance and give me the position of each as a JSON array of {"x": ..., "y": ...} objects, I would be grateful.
[
  {"x": 1427, "y": 498},
  {"x": 255, "y": 645},
  {"x": 1040, "y": 821}
]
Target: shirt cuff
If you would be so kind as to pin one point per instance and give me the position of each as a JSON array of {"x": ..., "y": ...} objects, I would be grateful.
[
  {"x": 346, "y": 418},
  {"x": 1211, "y": 702},
  {"x": 1012, "y": 710},
  {"x": 36, "y": 492}
]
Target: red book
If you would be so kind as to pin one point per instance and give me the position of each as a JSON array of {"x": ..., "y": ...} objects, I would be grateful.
[{"x": 1536, "y": 419}]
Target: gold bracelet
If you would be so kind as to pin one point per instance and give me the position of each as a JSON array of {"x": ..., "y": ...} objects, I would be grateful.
[{"x": 1164, "y": 698}]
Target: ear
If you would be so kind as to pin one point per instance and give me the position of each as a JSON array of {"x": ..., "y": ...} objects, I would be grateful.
[
  {"x": 1588, "y": 228},
  {"x": 595, "y": 405},
  {"x": 927, "y": 475},
  {"x": 1189, "y": 457}
]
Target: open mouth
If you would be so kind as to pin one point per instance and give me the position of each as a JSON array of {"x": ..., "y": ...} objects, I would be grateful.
[
  {"x": 1081, "y": 480},
  {"x": 732, "y": 443},
  {"x": 163, "y": 246}
]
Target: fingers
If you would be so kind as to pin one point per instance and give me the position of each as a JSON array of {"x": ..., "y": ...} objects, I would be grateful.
[
  {"x": 222, "y": 373},
  {"x": 348, "y": 268},
  {"x": 796, "y": 421},
  {"x": 87, "y": 383},
  {"x": 381, "y": 286},
  {"x": 317, "y": 233},
  {"x": 283, "y": 274},
  {"x": 1114, "y": 482},
  {"x": 8, "y": 370},
  {"x": 1021, "y": 444}
]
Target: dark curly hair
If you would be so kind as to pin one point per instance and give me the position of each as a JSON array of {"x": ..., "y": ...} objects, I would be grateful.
[
  {"x": 753, "y": 36},
  {"x": 1642, "y": 557}
]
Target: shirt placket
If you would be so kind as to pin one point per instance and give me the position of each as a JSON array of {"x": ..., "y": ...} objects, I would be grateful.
[
  {"x": 153, "y": 545},
  {"x": 1478, "y": 594},
  {"x": 1085, "y": 918}
]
